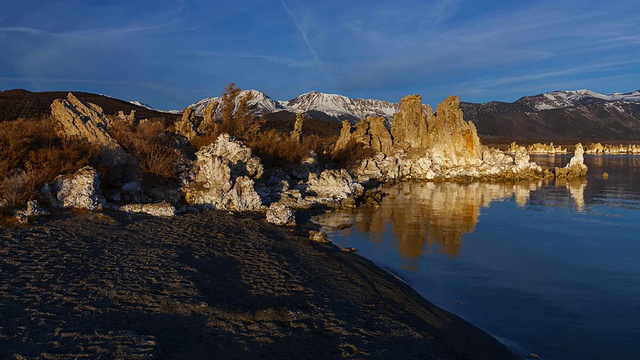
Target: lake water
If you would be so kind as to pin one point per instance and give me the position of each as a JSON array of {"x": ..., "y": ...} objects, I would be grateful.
[{"x": 550, "y": 268}]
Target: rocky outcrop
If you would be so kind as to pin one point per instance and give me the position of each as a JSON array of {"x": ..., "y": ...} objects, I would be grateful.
[
  {"x": 451, "y": 140},
  {"x": 549, "y": 149},
  {"x": 80, "y": 190},
  {"x": 187, "y": 124},
  {"x": 609, "y": 149},
  {"x": 576, "y": 166},
  {"x": 158, "y": 209},
  {"x": 208, "y": 117},
  {"x": 333, "y": 186},
  {"x": 449, "y": 148},
  {"x": 370, "y": 132},
  {"x": 296, "y": 134},
  {"x": 409, "y": 128},
  {"x": 223, "y": 177},
  {"x": 33, "y": 209},
  {"x": 281, "y": 215},
  {"x": 131, "y": 118},
  {"x": 83, "y": 120}
]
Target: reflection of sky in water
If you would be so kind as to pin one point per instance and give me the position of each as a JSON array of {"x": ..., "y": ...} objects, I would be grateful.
[{"x": 548, "y": 267}]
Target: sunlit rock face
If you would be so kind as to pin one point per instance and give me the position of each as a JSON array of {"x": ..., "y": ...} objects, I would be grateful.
[
  {"x": 223, "y": 177},
  {"x": 296, "y": 133},
  {"x": 424, "y": 146},
  {"x": 550, "y": 149},
  {"x": 576, "y": 166},
  {"x": 453, "y": 141},
  {"x": 187, "y": 125},
  {"x": 409, "y": 128},
  {"x": 82, "y": 120},
  {"x": 370, "y": 132},
  {"x": 610, "y": 149}
]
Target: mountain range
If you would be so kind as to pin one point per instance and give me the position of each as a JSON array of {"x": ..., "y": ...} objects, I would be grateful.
[{"x": 559, "y": 115}]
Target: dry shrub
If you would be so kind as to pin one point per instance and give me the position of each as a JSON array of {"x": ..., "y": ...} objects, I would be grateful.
[
  {"x": 33, "y": 154},
  {"x": 276, "y": 149},
  {"x": 352, "y": 154},
  {"x": 151, "y": 145},
  {"x": 235, "y": 119}
]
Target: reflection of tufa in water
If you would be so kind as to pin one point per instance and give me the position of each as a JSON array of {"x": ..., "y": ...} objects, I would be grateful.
[{"x": 439, "y": 214}]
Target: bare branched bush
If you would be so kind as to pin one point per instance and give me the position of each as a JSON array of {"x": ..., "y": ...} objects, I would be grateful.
[
  {"x": 235, "y": 119},
  {"x": 31, "y": 154},
  {"x": 352, "y": 154},
  {"x": 151, "y": 145}
]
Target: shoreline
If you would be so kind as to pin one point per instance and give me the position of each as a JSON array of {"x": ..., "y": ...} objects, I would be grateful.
[{"x": 212, "y": 284}]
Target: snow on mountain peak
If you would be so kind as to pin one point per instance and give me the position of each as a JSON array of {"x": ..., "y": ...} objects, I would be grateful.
[
  {"x": 563, "y": 98},
  {"x": 259, "y": 101}
]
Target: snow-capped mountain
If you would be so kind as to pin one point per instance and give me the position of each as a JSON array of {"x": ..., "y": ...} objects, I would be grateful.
[
  {"x": 333, "y": 105},
  {"x": 259, "y": 102},
  {"x": 564, "y": 99},
  {"x": 148, "y": 107},
  {"x": 340, "y": 106},
  {"x": 579, "y": 114}
]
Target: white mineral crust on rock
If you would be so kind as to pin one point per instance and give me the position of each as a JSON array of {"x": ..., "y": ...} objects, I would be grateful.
[
  {"x": 224, "y": 174},
  {"x": 281, "y": 215},
  {"x": 80, "y": 190}
]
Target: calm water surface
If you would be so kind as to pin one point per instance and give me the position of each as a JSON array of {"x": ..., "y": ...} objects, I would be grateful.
[{"x": 551, "y": 268}]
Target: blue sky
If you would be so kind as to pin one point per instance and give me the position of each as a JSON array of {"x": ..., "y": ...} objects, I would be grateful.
[{"x": 169, "y": 54}]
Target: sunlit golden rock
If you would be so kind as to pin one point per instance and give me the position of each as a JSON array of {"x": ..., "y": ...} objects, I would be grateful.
[{"x": 409, "y": 129}]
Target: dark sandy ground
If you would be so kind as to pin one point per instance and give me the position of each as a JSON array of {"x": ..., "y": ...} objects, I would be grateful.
[{"x": 212, "y": 285}]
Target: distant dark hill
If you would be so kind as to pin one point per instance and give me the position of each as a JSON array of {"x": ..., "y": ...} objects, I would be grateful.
[
  {"x": 317, "y": 123},
  {"x": 26, "y": 104},
  {"x": 560, "y": 115}
]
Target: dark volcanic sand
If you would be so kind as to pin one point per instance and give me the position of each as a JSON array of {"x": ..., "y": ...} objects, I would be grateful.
[{"x": 208, "y": 286}]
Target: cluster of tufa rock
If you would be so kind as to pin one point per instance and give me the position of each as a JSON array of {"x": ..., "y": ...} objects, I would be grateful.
[
  {"x": 424, "y": 145},
  {"x": 226, "y": 175}
]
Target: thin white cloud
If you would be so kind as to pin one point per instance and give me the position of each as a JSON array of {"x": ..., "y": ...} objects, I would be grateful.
[
  {"x": 303, "y": 33},
  {"x": 279, "y": 60}
]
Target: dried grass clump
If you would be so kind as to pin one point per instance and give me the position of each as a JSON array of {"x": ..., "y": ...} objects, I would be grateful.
[
  {"x": 236, "y": 119},
  {"x": 352, "y": 154},
  {"x": 151, "y": 145},
  {"x": 32, "y": 154}
]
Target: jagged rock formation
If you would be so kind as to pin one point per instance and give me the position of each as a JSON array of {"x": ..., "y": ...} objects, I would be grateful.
[
  {"x": 369, "y": 131},
  {"x": 131, "y": 118},
  {"x": 451, "y": 139},
  {"x": 80, "y": 190},
  {"x": 610, "y": 149},
  {"x": 550, "y": 149},
  {"x": 449, "y": 147},
  {"x": 208, "y": 117},
  {"x": 576, "y": 167},
  {"x": 187, "y": 125},
  {"x": 297, "y": 128},
  {"x": 33, "y": 209},
  {"x": 333, "y": 186},
  {"x": 157, "y": 209},
  {"x": 280, "y": 214},
  {"x": 409, "y": 128},
  {"x": 80, "y": 119},
  {"x": 224, "y": 175}
]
